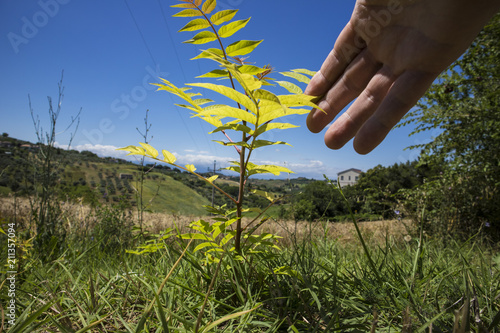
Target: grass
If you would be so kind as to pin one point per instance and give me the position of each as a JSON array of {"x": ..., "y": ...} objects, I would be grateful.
[
  {"x": 170, "y": 196},
  {"x": 320, "y": 281}
]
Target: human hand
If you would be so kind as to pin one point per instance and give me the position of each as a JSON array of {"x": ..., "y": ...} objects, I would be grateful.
[{"x": 387, "y": 56}]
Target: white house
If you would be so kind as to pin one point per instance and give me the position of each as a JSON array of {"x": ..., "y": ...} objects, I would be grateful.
[{"x": 348, "y": 177}]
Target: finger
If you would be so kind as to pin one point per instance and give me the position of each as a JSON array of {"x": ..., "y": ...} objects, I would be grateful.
[
  {"x": 346, "y": 89},
  {"x": 347, "y": 125},
  {"x": 346, "y": 48},
  {"x": 404, "y": 94}
]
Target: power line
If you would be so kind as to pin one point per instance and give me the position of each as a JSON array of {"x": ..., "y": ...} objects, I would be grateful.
[
  {"x": 156, "y": 65},
  {"x": 140, "y": 33},
  {"x": 210, "y": 143}
]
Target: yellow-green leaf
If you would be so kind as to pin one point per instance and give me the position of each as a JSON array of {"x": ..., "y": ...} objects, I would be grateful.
[
  {"x": 184, "y": 5},
  {"x": 264, "y": 194},
  {"x": 298, "y": 100},
  {"x": 181, "y": 92},
  {"x": 266, "y": 95},
  {"x": 242, "y": 47},
  {"x": 230, "y": 144},
  {"x": 215, "y": 121},
  {"x": 209, "y": 54},
  {"x": 168, "y": 157},
  {"x": 188, "y": 13},
  {"x": 270, "y": 126},
  {"x": 217, "y": 73},
  {"x": 134, "y": 150},
  {"x": 223, "y": 16},
  {"x": 201, "y": 101},
  {"x": 253, "y": 169},
  {"x": 149, "y": 150},
  {"x": 291, "y": 87},
  {"x": 212, "y": 179},
  {"x": 202, "y": 37},
  {"x": 297, "y": 76},
  {"x": 191, "y": 168},
  {"x": 234, "y": 127},
  {"x": 229, "y": 93},
  {"x": 304, "y": 71},
  {"x": 196, "y": 24},
  {"x": 209, "y": 6},
  {"x": 231, "y": 28},
  {"x": 272, "y": 112},
  {"x": 228, "y": 111},
  {"x": 249, "y": 82},
  {"x": 252, "y": 70},
  {"x": 264, "y": 143}
]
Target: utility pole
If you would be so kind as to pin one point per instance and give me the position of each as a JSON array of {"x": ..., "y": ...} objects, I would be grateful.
[{"x": 213, "y": 188}]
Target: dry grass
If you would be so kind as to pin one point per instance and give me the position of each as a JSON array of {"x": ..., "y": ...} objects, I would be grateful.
[{"x": 77, "y": 214}]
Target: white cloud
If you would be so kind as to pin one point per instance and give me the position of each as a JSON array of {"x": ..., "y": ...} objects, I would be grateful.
[
  {"x": 100, "y": 150},
  {"x": 204, "y": 160}
]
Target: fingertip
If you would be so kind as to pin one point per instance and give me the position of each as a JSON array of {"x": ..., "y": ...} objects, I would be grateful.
[
  {"x": 333, "y": 144},
  {"x": 363, "y": 149},
  {"x": 369, "y": 137},
  {"x": 314, "y": 121}
]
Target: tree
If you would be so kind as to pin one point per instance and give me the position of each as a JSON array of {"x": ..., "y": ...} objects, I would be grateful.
[{"x": 463, "y": 105}]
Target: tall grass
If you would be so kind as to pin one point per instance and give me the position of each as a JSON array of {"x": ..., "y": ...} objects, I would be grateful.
[{"x": 314, "y": 284}]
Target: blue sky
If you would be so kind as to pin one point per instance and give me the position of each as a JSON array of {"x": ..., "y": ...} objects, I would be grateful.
[{"x": 112, "y": 50}]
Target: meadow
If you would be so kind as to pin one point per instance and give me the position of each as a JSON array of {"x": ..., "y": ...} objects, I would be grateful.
[
  {"x": 86, "y": 251},
  {"x": 320, "y": 279}
]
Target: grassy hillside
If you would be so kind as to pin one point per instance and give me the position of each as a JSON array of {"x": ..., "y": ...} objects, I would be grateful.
[{"x": 97, "y": 180}]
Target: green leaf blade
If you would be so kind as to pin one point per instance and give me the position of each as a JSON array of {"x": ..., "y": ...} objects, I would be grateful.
[
  {"x": 229, "y": 93},
  {"x": 202, "y": 37},
  {"x": 231, "y": 28},
  {"x": 188, "y": 13},
  {"x": 291, "y": 87},
  {"x": 209, "y": 6},
  {"x": 223, "y": 16},
  {"x": 150, "y": 150},
  {"x": 242, "y": 47},
  {"x": 196, "y": 24}
]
